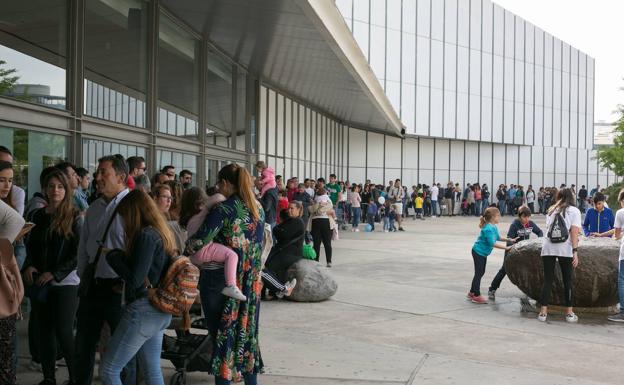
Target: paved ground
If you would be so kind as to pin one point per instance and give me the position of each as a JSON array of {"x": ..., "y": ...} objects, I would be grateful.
[{"x": 400, "y": 317}]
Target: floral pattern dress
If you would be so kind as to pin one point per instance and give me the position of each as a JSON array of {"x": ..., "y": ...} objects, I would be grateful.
[{"x": 236, "y": 352}]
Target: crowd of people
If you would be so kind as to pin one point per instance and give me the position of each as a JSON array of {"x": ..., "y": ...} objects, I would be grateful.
[{"x": 90, "y": 251}]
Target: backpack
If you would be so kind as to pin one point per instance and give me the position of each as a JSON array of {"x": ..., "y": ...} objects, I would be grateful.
[
  {"x": 11, "y": 285},
  {"x": 177, "y": 291},
  {"x": 558, "y": 230}
]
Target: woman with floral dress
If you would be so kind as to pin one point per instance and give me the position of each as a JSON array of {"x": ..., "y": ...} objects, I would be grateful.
[{"x": 238, "y": 223}]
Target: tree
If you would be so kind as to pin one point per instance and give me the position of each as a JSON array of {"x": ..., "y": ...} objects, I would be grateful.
[
  {"x": 612, "y": 157},
  {"x": 7, "y": 81}
]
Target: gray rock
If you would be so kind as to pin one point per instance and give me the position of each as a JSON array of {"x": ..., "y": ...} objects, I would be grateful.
[
  {"x": 314, "y": 283},
  {"x": 595, "y": 278}
]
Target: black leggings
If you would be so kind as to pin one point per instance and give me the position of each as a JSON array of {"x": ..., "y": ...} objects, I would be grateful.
[
  {"x": 549, "y": 275},
  {"x": 322, "y": 232},
  {"x": 479, "y": 269},
  {"x": 56, "y": 322}
]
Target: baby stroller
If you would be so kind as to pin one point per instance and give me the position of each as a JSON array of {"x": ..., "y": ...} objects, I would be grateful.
[
  {"x": 343, "y": 215},
  {"x": 187, "y": 352}
]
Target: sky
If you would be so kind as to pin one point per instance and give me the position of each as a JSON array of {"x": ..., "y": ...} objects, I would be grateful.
[{"x": 593, "y": 27}]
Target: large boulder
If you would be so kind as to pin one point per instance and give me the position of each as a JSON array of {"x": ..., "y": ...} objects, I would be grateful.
[
  {"x": 314, "y": 284},
  {"x": 595, "y": 278}
]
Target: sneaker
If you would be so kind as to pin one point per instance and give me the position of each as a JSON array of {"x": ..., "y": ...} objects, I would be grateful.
[
  {"x": 234, "y": 292},
  {"x": 288, "y": 287},
  {"x": 470, "y": 296},
  {"x": 492, "y": 294},
  {"x": 401, "y": 229},
  {"x": 385, "y": 231},
  {"x": 542, "y": 317},
  {"x": 616, "y": 317},
  {"x": 572, "y": 318},
  {"x": 328, "y": 264},
  {"x": 479, "y": 299},
  {"x": 357, "y": 230}
]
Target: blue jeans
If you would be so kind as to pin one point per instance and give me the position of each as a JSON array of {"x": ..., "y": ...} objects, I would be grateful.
[
  {"x": 386, "y": 223},
  {"x": 435, "y": 208},
  {"x": 484, "y": 205},
  {"x": 621, "y": 286},
  {"x": 502, "y": 205},
  {"x": 478, "y": 207},
  {"x": 357, "y": 213},
  {"x": 140, "y": 333}
]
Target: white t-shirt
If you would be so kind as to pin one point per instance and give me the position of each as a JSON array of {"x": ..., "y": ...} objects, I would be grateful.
[
  {"x": 619, "y": 224},
  {"x": 310, "y": 192},
  {"x": 434, "y": 193},
  {"x": 572, "y": 217}
]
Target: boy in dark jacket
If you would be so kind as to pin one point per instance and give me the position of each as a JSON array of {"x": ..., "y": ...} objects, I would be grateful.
[{"x": 519, "y": 230}]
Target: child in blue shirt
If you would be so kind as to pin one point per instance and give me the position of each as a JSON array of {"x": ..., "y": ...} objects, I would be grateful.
[{"x": 483, "y": 247}]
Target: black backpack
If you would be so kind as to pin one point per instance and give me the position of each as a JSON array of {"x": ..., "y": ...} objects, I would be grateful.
[{"x": 558, "y": 231}]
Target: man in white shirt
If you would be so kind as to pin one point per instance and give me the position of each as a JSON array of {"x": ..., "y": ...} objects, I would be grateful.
[
  {"x": 435, "y": 208},
  {"x": 103, "y": 301},
  {"x": 396, "y": 195}
]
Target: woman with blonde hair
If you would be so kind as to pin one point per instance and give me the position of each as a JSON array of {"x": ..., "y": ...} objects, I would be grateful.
[
  {"x": 143, "y": 262},
  {"x": 238, "y": 223}
]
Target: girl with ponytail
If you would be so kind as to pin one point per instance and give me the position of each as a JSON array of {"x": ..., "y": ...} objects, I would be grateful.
[
  {"x": 237, "y": 223},
  {"x": 483, "y": 247}
]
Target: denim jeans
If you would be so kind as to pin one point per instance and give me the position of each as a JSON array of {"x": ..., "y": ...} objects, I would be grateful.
[
  {"x": 484, "y": 204},
  {"x": 139, "y": 332},
  {"x": 621, "y": 286},
  {"x": 356, "y": 214},
  {"x": 478, "y": 207},
  {"x": 502, "y": 206},
  {"x": 479, "y": 269},
  {"x": 435, "y": 208},
  {"x": 370, "y": 219},
  {"x": 386, "y": 223}
]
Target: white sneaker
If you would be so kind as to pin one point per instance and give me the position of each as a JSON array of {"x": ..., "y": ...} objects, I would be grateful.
[
  {"x": 572, "y": 318},
  {"x": 357, "y": 230},
  {"x": 234, "y": 292},
  {"x": 288, "y": 287},
  {"x": 542, "y": 317}
]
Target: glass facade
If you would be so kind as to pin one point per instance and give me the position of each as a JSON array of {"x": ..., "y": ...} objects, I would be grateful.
[{"x": 471, "y": 70}]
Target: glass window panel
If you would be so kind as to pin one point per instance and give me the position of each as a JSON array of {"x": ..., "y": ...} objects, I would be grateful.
[
  {"x": 463, "y": 22},
  {"x": 450, "y": 66},
  {"x": 437, "y": 64},
  {"x": 486, "y": 119},
  {"x": 509, "y": 79},
  {"x": 556, "y": 127},
  {"x": 33, "y": 51},
  {"x": 509, "y": 34},
  {"x": 529, "y": 43},
  {"x": 528, "y": 124},
  {"x": 574, "y": 93},
  {"x": 32, "y": 152},
  {"x": 486, "y": 75},
  {"x": 519, "y": 47},
  {"x": 565, "y": 128},
  {"x": 450, "y": 21},
  {"x": 548, "y": 126},
  {"x": 436, "y": 112},
  {"x": 582, "y": 64},
  {"x": 409, "y": 16},
  {"x": 548, "y": 50},
  {"x": 590, "y": 67},
  {"x": 539, "y": 46},
  {"x": 475, "y": 24},
  {"x": 488, "y": 24},
  {"x": 360, "y": 31},
  {"x": 462, "y": 116},
  {"x": 475, "y": 117},
  {"x": 279, "y": 129},
  {"x": 393, "y": 55},
  {"x": 378, "y": 47},
  {"x": 548, "y": 87},
  {"x": 538, "y": 120},
  {"x": 565, "y": 91},
  {"x": 574, "y": 130},
  {"x": 393, "y": 90},
  {"x": 408, "y": 55},
  {"x": 437, "y": 20},
  {"x": 407, "y": 105},
  {"x": 178, "y": 80},
  {"x": 565, "y": 60},
  {"x": 360, "y": 10},
  {"x": 519, "y": 79},
  {"x": 557, "y": 57},
  {"x": 498, "y": 77},
  {"x": 241, "y": 110},
  {"x": 220, "y": 79},
  {"x": 424, "y": 14},
  {"x": 394, "y": 14},
  {"x": 497, "y": 120},
  {"x": 422, "y": 110},
  {"x": 449, "y": 114},
  {"x": 508, "y": 121},
  {"x": 288, "y": 129},
  {"x": 462, "y": 69},
  {"x": 557, "y": 84},
  {"x": 378, "y": 13},
  {"x": 475, "y": 72},
  {"x": 422, "y": 61},
  {"x": 499, "y": 30},
  {"x": 539, "y": 86}
]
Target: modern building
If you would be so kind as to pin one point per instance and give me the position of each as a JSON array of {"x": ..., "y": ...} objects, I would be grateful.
[{"x": 481, "y": 94}]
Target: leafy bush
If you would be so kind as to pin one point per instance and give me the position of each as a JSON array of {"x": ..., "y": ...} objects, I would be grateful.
[{"x": 612, "y": 193}]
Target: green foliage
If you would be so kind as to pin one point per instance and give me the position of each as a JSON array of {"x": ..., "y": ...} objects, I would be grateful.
[
  {"x": 612, "y": 193},
  {"x": 7, "y": 80},
  {"x": 612, "y": 158}
]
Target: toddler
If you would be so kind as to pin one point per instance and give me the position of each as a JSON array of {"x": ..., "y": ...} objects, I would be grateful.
[
  {"x": 384, "y": 214},
  {"x": 371, "y": 212},
  {"x": 418, "y": 206},
  {"x": 195, "y": 206},
  {"x": 267, "y": 177},
  {"x": 392, "y": 216}
]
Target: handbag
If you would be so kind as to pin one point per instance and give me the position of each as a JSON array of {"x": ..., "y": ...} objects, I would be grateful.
[
  {"x": 308, "y": 252},
  {"x": 11, "y": 285},
  {"x": 88, "y": 275}
]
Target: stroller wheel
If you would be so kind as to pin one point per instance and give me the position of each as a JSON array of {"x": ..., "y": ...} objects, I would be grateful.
[{"x": 179, "y": 378}]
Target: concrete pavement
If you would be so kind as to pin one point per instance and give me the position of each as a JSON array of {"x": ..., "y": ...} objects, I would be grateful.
[{"x": 400, "y": 317}]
